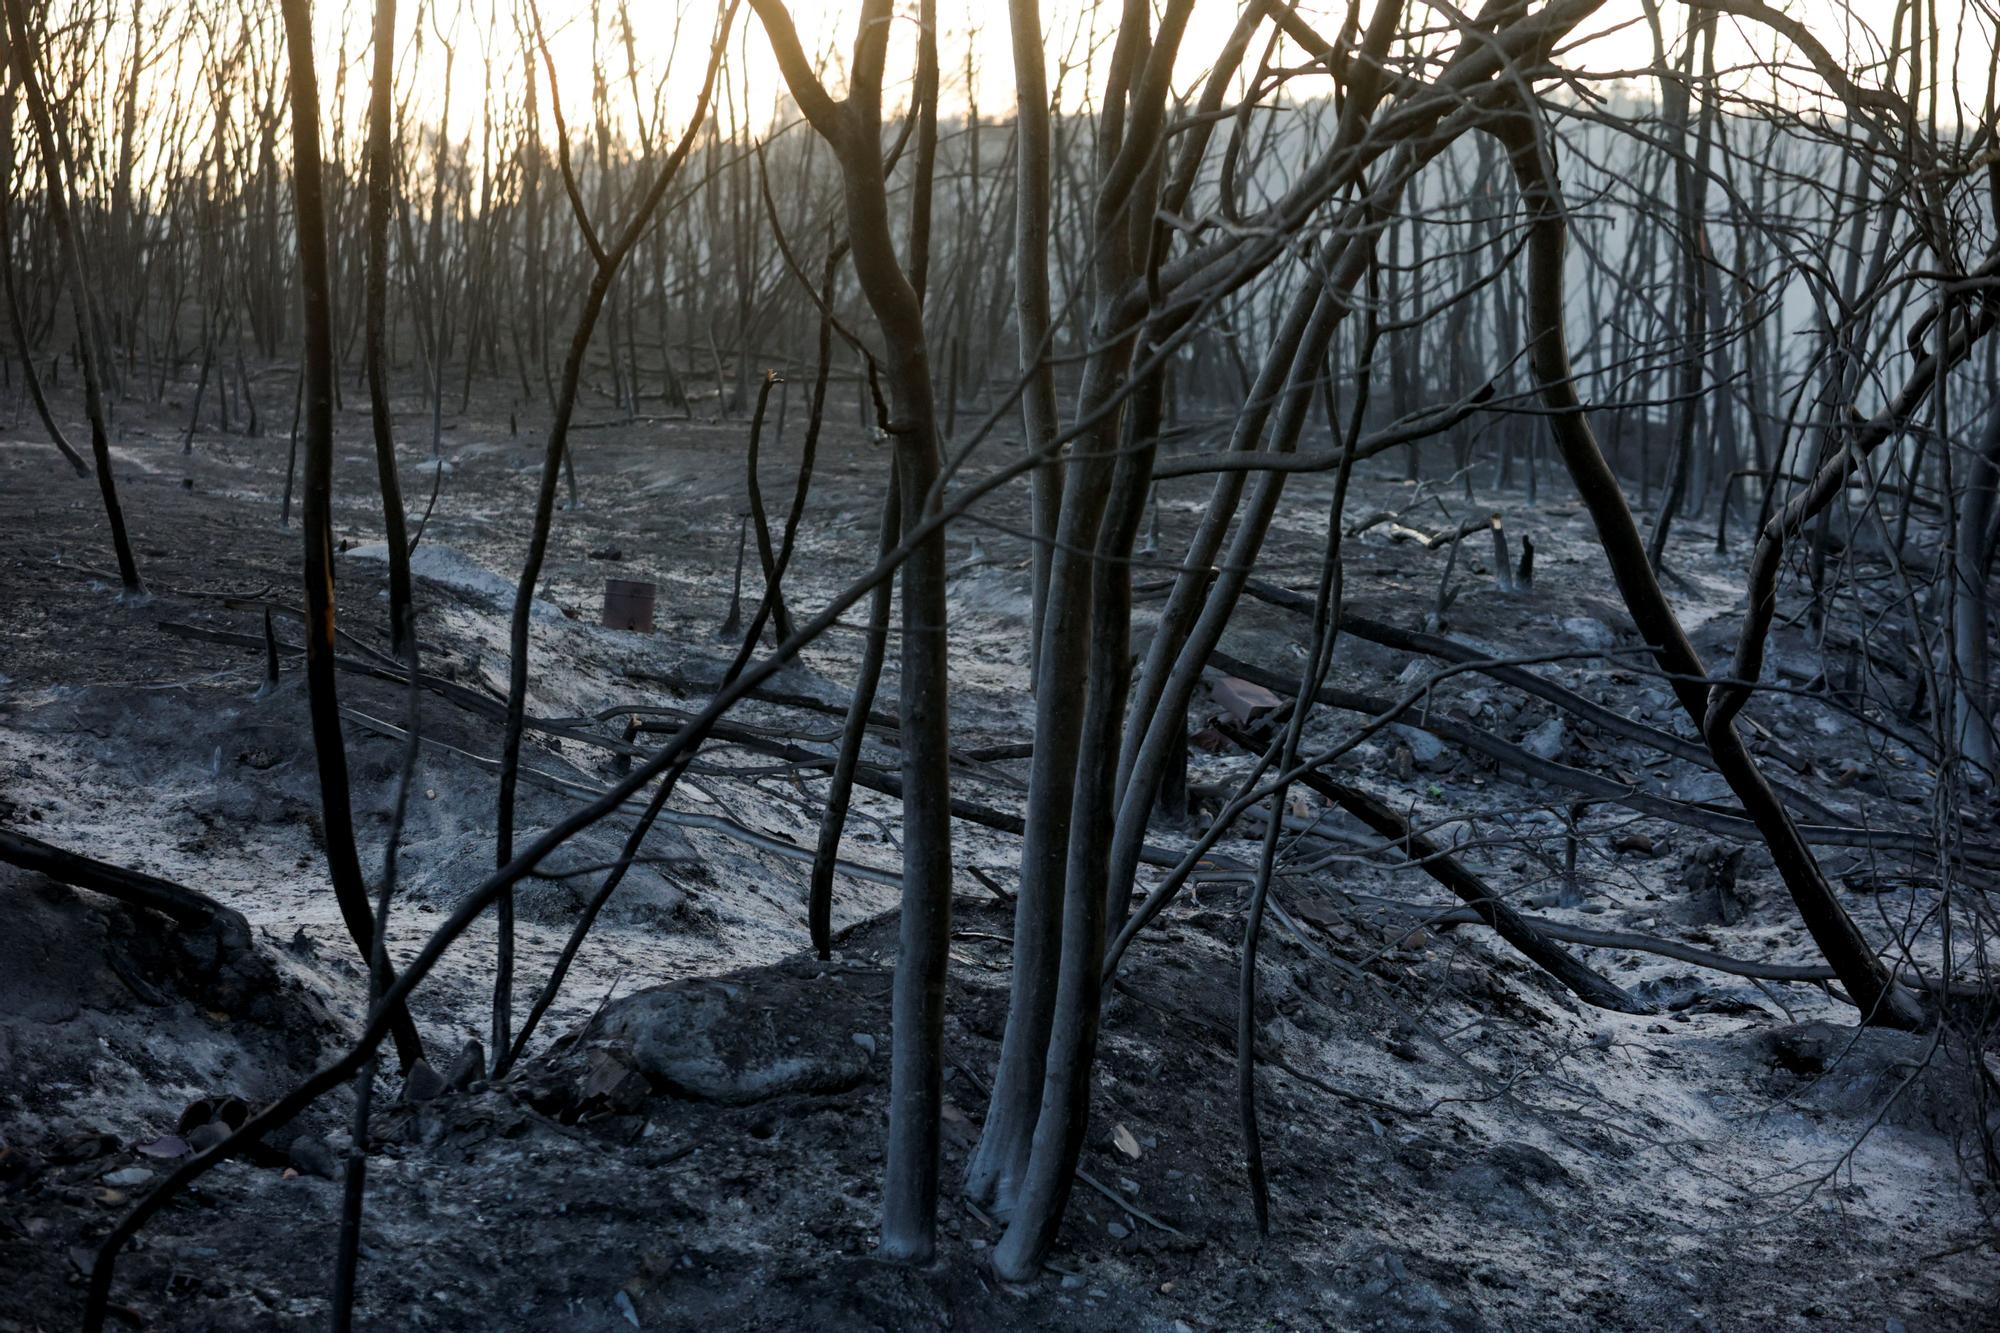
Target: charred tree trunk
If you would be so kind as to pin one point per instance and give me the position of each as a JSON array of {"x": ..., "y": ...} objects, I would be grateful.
[{"x": 316, "y": 519}]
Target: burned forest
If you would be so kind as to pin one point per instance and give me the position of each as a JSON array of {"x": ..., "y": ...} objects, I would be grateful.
[{"x": 1130, "y": 665}]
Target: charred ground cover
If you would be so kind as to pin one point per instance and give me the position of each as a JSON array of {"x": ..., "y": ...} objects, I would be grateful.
[
  {"x": 1335, "y": 674},
  {"x": 1462, "y": 1144}
]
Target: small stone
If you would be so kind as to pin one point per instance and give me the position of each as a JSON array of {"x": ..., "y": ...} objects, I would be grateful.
[
  {"x": 312, "y": 1157},
  {"x": 1425, "y": 749},
  {"x": 203, "y": 1137},
  {"x": 467, "y": 1067},
  {"x": 127, "y": 1177},
  {"x": 1592, "y": 633},
  {"x": 1071, "y": 1282},
  {"x": 1123, "y": 1140},
  {"x": 1546, "y": 741},
  {"x": 1118, "y": 1230},
  {"x": 1243, "y": 700},
  {"x": 696, "y": 1039},
  {"x": 422, "y": 1083}
]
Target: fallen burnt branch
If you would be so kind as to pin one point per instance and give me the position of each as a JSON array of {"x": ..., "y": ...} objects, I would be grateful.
[
  {"x": 132, "y": 887},
  {"x": 449, "y": 690},
  {"x": 215, "y": 939},
  {"x": 720, "y": 824},
  {"x": 865, "y": 775},
  {"x": 1432, "y": 541},
  {"x": 683, "y": 683},
  {"x": 873, "y": 778},
  {"x": 1449, "y": 727},
  {"x": 1637, "y": 942},
  {"x": 1528, "y": 682},
  {"x": 885, "y": 782},
  {"x": 973, "y": 756},
  {"x": 1581, "y": 981}
]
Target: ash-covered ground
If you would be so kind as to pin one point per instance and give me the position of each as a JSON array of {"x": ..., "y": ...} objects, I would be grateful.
[{"x": 1453, "y": 1140}]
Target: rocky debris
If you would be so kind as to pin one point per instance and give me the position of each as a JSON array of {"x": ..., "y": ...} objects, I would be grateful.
[
  {"x": 1546, "y": 741},
  {"x": 1709, "y": 874},
  {"x": 1391, "y": 1298},
  {"x": 423, "y": 1083},
  {"x": 1425, "y": 749},
  {"x": 1244, "y": 701},
  {"x": 1497, "y": 1182},
  {"x": 1589, "y": 631},
  {"x": 1632, "y": 843},
  {"x": 1912, "y": 1080},
  {"x": 467, "y": 1068},
  {"x": 736, "y": 1041},
  {"x": 311, "y": 1156}
]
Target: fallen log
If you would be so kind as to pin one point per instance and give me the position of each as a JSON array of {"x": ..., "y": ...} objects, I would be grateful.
[{"x": 214, "y": 940}]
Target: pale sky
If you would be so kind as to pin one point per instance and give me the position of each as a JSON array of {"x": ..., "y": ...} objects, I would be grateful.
[
  {"x": 1618, "y": 39},
  {"x": 1615, "y": 39}
]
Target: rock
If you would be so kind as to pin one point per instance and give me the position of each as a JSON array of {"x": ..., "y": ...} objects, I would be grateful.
[
  {"x": 423, "y": 1083},
  {"x": 607, "y": 553},
  {"x": 1212, "y": 741},
  {"x": 1392, "y": 1298},
  {"x": 1709, "y": 874},
  {"x": 1871, "y": 1074},
  {"x": 1524, "y": 1161},
  {"x": 1118, "y": 1230},
  {"x": 614, "y": 1087},
  {"x": 1425, "y": 749},
  {"x": 713, "y": 1040},
  {"x": 205, "y": 1136},
  {"x": 1495, "y": 1183},
  {"x": 467, "y": 1068},
  {"x": 1638, "y": 844},
  {"x": 1546, "y": 741},
  {"x": 1589, "y": 631},
  {"x": 1242, "y": 700},
  {"x": 230, "y": 1111},
  {"x": 311, "y": 1156},
  {"x": 128, "y": 1177}
]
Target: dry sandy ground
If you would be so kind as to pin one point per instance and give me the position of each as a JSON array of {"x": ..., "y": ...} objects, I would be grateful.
[{"x": 1453, "y": 1141}]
